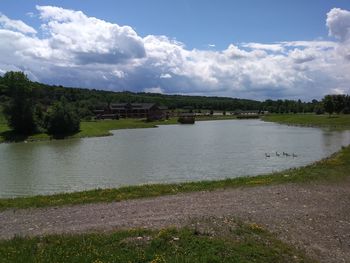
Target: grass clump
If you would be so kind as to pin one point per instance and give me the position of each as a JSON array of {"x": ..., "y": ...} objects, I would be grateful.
[{"x": 227, "y": 241}]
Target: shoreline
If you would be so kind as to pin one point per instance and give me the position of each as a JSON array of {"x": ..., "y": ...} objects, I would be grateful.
[{"x": 90, "y": 129}]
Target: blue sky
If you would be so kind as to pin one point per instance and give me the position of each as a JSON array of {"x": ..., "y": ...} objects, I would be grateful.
[
  {"x": 198, "y": 23},
  {"x": 253, "y": 49}
]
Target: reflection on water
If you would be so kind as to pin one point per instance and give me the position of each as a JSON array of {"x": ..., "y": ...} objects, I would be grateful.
[{"x": 176, "y": 153}]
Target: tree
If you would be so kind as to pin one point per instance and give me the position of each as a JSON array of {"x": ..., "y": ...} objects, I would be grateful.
[
  {"x": 328, "y": 104},
  {"x": 339, "y": 103},
  {"x": 19, "y": 110},
  {"x": 62, "y": 119}
]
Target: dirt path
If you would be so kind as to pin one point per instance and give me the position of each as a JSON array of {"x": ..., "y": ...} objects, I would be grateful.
[{"x": 315, "y": 217}]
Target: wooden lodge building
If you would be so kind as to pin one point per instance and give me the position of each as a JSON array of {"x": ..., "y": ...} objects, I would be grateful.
[{"x": 150, "y": 111}]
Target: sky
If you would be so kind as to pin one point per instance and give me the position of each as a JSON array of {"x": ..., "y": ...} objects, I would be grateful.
[{"x": 247, "y": 49}]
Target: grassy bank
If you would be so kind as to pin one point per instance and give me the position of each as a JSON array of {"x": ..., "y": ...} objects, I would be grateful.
[
  {"x": 334, "y": 121},
  {"x": 331, "y": 169},
  {"x": 87, "y": 129},
  {"x": 226, "y": 240},
  {"x": 96, "y": 128}
]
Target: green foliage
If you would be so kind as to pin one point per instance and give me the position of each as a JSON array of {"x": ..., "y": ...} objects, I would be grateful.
[
  {"x": 328, "y": 104},
  {"x": 2, "y": 117},
  {"x": 19, "y": 111},
  {"x": 62, "y": 119},
  {"x": 85, "y": 100},
  {"x": 231, "y": 241}
]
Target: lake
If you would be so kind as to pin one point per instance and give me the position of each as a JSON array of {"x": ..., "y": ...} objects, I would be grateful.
[{"x": 206, "y": 150}]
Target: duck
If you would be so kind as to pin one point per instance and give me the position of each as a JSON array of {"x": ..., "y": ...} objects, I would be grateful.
[
  {"x": 278, "y": 154},
  {"x": 267, "y": 155}
]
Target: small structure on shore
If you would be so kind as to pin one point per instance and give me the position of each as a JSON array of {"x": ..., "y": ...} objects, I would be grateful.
[
  {"x": 187, "y": 118},
  {"x": 150, "y": 111},
  {"x": 249, "y": 114}
]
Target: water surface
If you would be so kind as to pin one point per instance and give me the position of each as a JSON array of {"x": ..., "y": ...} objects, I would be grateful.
[{"x": 171, "y": 153}]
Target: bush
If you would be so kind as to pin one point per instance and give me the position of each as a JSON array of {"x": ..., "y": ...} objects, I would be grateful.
[{"x": 62, "y": 119}]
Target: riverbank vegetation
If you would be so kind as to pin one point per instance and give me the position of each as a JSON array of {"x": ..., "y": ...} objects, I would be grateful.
[
  {"x": 97, "y": 128},
  {"x": 219, "y": 240},
  {"x": 25, "y": 116},
  {"x": 335, "y": 168},
  {"x": 340, "y": 121}
]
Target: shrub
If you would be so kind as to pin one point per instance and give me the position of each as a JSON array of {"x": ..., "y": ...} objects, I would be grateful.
[{"x": 62, "y": 119}]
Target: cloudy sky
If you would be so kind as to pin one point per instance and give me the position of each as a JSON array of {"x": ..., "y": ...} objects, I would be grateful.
[{"x": 246, "y": 49}]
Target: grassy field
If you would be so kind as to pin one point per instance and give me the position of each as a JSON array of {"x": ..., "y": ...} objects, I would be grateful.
[
  {"x": 334, "y": 121},
  {"x": 95, "y": 128},
  {"x": 87, "y": 129},
  {"x": 331, "y": 169},
  {"x": 226, "y": 240}
]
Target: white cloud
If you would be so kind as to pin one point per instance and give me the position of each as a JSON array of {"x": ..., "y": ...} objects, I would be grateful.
[
  {"x": 16, "y": 25},
  {"x": 302, "y": 56},
  {"x": 269, "y": 47},
  {"x": 154, "y": 90},
  {"x": 338, "y": 22},
  {"x": 119, "y": 74},
  {"x": 338, "y": 91},
  {"x": 30, "y": 14},
  {"x": 88, "y": 39},
  {"x": 77, "y": 50},
  {"x": 165, "y": 76}
]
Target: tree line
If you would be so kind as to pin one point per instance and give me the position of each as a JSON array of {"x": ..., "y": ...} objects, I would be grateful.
[
  {"x": 26, "y": 115},
  {"x": 31, "y": 106}
]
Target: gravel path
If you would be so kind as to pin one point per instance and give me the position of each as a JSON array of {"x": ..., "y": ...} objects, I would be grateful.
[{"x": 313, "y": 217}]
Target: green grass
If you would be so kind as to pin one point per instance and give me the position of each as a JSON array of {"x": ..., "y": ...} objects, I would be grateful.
[
  {"x": 334, "y": 121},
  {"x": 87, "y": 129},
  {"x": 334, "y": 168},
  {"x": 216, "y": 117},
  {"x": 95, "y": 128},
  {"x": 103, "y": 128},
  {"x": 226, "y": 240}
]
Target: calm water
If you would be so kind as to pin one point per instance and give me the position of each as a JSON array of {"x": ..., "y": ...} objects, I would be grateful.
[{"x": 174, "y": 153}]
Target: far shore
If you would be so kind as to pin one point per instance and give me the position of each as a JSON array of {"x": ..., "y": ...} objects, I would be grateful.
[
  {"x": 104, "y": 128},
  {"x": 98, "y": 128}
]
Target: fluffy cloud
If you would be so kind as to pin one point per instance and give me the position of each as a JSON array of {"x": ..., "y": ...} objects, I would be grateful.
[
  {"x": 77, "y": 50},
  {"x": 87, "y": 39},
  {"x": 338, "y": 22},
  {"x": 15, "y": 25}
]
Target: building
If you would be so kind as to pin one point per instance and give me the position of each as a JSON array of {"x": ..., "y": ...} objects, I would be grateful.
[{"x": 150, "y": 111}]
